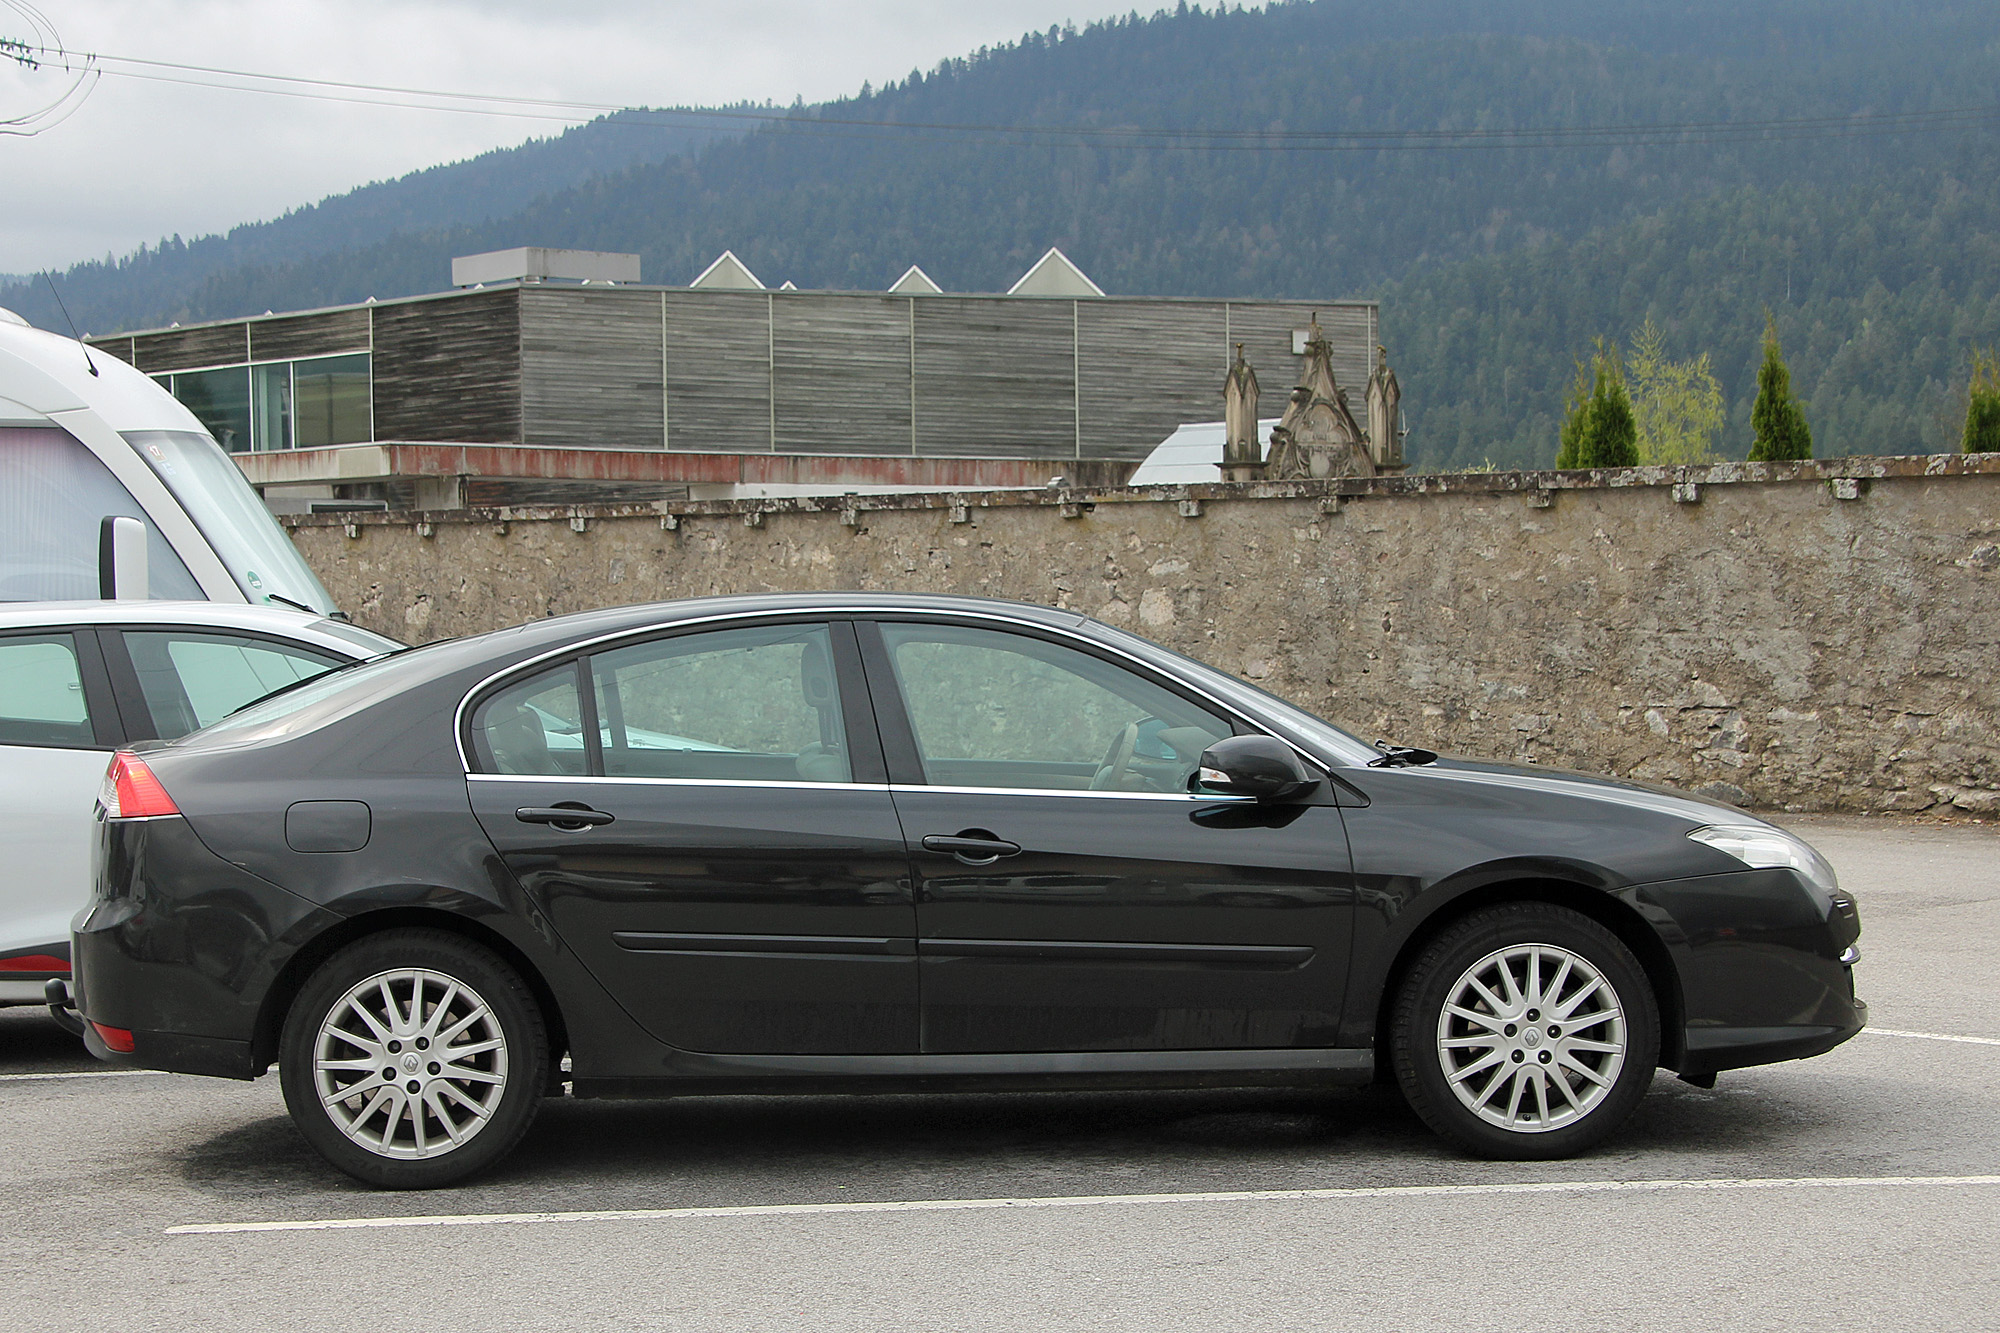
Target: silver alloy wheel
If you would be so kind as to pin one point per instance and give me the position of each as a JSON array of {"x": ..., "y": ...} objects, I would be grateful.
[
  {"x": 1531, "y": 1038},
  {"x": 410, "y": 1063}
]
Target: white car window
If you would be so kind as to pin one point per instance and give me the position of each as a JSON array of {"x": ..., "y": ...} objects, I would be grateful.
[
  {"x": 191, "y": 679},
  {"x": 41, "y": 692}
]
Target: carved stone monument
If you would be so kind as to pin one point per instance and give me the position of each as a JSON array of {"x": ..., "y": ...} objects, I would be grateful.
[
  {"x": 1318, "y": 435},
  {"x": 1385, "y": 397},
  {"x": 1242, "y": 455}
]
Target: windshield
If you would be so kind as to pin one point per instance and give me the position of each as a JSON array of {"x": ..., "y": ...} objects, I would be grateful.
[
  {"x": 54, "y": 495},
  {"x": 1288, "y": 719},
  {"x": 239, "y": 529}
]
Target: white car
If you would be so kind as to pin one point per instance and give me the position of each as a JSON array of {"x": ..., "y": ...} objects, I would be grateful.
[{"x": 78, "y": 680}]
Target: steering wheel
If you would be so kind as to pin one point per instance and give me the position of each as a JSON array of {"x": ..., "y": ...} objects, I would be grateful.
[{"x": 1117, "y": 761}]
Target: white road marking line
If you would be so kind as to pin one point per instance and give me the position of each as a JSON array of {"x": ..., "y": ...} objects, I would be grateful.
[
  {"x": 1077, "y": 1201},
  {"x": 1933, "y": 1036},
  {"x": 87, "y": 1073}
]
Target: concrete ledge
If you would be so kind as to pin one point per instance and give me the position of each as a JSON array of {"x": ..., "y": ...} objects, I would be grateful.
[{"x": 1537, "y": 485}]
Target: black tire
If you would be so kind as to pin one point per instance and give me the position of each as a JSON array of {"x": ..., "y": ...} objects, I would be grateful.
[
  {"x": 384, "y": 1149},
  {"x": 1546, "y": 1122}
]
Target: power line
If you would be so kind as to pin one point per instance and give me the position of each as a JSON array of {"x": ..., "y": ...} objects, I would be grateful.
[{"x": 1637, "y": 134}]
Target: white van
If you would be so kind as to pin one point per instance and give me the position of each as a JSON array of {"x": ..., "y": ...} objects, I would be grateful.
[{"x": 85, "y": 441}]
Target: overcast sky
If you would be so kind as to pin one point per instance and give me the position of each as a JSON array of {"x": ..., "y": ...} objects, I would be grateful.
[{"x": 140, "y": 160}]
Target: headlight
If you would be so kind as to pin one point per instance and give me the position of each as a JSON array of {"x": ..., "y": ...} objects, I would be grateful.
[{"x": 1764, "y": 848}]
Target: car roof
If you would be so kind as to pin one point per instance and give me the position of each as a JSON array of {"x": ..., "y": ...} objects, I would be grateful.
[
  {"x": 613, "y": 620},
  {"x": 523, "y": 641}
]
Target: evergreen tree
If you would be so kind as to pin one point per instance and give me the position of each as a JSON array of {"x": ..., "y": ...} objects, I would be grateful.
[
  {"x": 1613, "y": 437},
  {"x": 1777, "y": 421},
  {"x": 1599, "y": 428},
  {"x": 1982, "y": 408},
  {"x": 1576, "y": 418}
]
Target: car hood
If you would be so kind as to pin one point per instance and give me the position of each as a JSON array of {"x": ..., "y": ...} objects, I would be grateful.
[{"x": 1648, "y": 796}]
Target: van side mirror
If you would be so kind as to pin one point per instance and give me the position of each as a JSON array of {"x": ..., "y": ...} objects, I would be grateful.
[
  {"x": 1261, "y": 767},
  {"x": 121, "y": 559}
]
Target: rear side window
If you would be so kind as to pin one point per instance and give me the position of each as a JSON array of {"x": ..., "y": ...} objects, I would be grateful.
[
  {"x": 754, "y": 705},
  {"x": 41, "y": 693},
  {"x": 191, "y": 679},
  {"x": 535, "y": 727},
  {"x": 54, "y": 497},
  {"x": 745, "y": 705}
]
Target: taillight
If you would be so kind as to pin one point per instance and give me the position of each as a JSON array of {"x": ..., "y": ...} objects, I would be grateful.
[
  {"x": 131, "y": 791},
  {"x": 34, "y": 962}
]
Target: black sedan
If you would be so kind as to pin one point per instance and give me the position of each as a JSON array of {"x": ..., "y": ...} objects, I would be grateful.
[{"x": 872, "y": 843}]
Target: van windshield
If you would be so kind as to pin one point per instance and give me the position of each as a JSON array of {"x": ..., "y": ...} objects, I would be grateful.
[
  {"x": 215, "y": 494},
  {"x": 54, "y": 494}
]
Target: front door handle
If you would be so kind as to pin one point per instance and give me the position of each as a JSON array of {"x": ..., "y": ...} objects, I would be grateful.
[
  {"x": 571, "y": 817},
  {"x": 975, "y": 846}
]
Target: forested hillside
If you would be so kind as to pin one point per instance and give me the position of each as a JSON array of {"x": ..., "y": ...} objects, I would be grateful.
[{"x": 1876, "y": 248}]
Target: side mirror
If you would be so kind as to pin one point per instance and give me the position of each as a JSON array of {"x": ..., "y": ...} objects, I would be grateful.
[
  {"x": 1261, "y": 767},
  {"x": 121, "y": 559}
]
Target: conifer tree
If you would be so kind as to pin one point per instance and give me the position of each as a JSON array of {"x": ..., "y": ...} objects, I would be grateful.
[
  {"x": 1982, "y": 408},
  {"x": 1613, "y": 437},
  {"x": 1777, "y": 421},
  {"x": 1576, "y": 418}
]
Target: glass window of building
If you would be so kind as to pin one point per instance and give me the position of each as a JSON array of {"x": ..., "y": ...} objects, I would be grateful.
[
  {"x": 271, "y": 407},
  {"x": 220, "y": 401},
  {"x": 307, "y": 404},
  {"x": 330, "y": 401}
]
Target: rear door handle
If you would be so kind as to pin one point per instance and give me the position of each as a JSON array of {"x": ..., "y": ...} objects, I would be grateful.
[
  {"x": 572, "y": 817},
  {"x": 968, "y": 848}
]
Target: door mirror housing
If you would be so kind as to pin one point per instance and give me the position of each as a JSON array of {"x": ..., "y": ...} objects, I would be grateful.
[
  {"x": 121, "y": 559},
  {"x": 1261, "y": 767}
]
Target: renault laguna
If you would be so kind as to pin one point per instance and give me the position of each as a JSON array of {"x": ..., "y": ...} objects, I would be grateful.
[{"x": 878, "y": 843}]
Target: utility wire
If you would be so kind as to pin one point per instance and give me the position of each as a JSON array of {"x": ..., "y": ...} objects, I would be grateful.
[{"x": 806, "y": 121}]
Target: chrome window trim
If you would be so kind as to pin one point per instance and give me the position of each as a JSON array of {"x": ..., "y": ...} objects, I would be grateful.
[
  {"x": 1216, "y": 799},
  {"x": 891, "y": 787},
  {"x": 460, "y": 720},
  {"x": 784, "y": 783}
]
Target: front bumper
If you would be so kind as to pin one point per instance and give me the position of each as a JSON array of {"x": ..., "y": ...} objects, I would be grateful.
[
  {"x": 1766, "y": 967},
  {"x": 1713, "y": 1049}
]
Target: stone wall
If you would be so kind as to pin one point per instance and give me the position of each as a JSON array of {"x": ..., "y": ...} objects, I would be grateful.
[{"x": 1816, "y": 636}]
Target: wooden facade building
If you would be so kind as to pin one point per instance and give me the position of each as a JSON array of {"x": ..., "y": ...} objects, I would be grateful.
[{"x": 628, "y": 367}]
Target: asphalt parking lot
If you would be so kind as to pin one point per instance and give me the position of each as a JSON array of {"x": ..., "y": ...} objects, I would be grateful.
[{"x": 1860, "y": 1189}]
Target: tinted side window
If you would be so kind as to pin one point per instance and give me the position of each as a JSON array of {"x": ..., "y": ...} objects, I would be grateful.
[
  {"x": 739, "y": 704},
  {"x": 534, "y": 727},
  {"x": 41, "y": 692},
  {"x": 54, "y": 494},
  {"x": 191, "y": 679},
  {"x": 997, "y": 709}
]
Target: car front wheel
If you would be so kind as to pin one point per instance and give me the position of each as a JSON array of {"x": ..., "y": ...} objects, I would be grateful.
[
  {"x": 413, "y": 1058},
  {"x": 1525, "y": 1031}
]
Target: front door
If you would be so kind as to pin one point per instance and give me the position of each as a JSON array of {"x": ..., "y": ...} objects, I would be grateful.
[
  {"x": 1074, "y": 894},
  {"x": 703, "y": 818}
]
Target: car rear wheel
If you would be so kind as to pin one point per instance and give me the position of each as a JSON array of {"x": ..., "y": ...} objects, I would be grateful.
[
  {"x": 1525, "y": 1031},
  {"x": 413, "y": 1058}
]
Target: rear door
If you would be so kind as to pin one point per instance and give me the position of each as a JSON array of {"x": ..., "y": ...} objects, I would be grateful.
[
  {"x": 704, "y": 818},
  {"x": 1074, "y": 893},
  {"x": 57, "y": 727}
]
